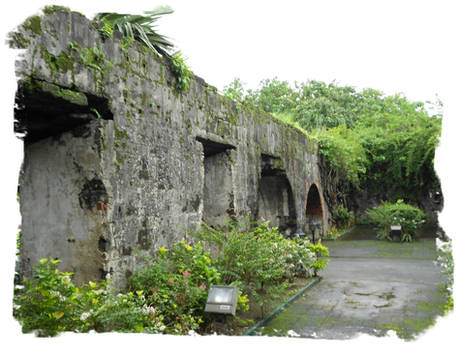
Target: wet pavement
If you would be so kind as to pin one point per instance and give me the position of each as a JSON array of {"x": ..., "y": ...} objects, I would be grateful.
[{"x": 368, "y": 287}]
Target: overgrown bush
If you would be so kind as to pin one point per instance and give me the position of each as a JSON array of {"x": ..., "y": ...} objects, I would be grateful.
[
  {"x": 176, "y": 282},
  {"x": 129, "y": 312},
  {"x": 343, "y": 217},
  {"x": 342, "y": 152},
  {"x": 169, "y": 294},
  {"x": 399, "y": 213},
  {"x": 259, "y": 259},
  {"x": 50, "y": 303}
]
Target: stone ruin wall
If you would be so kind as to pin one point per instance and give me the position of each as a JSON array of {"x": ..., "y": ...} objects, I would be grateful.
[{"x": 116, "y": 159}]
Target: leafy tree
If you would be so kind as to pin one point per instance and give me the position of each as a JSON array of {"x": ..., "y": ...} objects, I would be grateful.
[
  {"x": 326, "y": 106},
  {"x": 274, "y": 96},
  {"x": 235, "y": 90},
  {"x": 344, "y": 154},
  {"x": 401, "y": 143},
  {"x": 366, "y": 138}
]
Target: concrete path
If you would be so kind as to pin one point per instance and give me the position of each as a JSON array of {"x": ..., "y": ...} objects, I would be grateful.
[{"x": 368, "y": 287}]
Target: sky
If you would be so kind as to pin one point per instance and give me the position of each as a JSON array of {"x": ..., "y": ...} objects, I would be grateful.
[{"x": 394, "y": 46}]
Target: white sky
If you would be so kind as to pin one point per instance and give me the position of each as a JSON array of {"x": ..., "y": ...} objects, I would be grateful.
[{"x": 392, "y": 46}]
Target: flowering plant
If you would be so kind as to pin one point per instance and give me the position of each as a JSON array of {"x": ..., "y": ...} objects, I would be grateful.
[
  {"x": 50, "y": 303},
  {"x": 259, "y": 259},
  {"x": 176, "y": 281},
  {"x": 46, "y": 302}
]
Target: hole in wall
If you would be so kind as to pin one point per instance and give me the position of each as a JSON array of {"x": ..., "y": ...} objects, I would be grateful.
[
  {"x": 44, "y": 109},
  {"x": 275, "y": 197},
  {"x": 218, "y": 201},
  {"x": 102, "y": 244}
]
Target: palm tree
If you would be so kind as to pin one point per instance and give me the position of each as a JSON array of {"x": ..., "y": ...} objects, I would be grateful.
[{"x": 137, "y": 27}]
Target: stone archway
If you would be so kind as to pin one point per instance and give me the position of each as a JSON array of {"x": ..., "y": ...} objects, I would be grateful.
[{"x": 314, "y": 213}]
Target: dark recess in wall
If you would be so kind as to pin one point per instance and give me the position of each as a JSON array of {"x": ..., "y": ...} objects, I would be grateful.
[{"x": 43, "y": 109}]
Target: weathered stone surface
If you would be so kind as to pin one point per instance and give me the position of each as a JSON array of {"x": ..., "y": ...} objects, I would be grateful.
[
  {"x": 60, "y": 216},
  {"x": 151, "y": 163}
]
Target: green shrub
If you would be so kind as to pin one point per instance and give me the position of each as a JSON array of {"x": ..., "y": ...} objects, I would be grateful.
[
  {"x": 50, "y": 303},
  {"x": 400, "y": 213},
  {"x": 129, "y": 312},
  {"x": 169, "y": 294},
  {"x": 342, "y": 154},
  {"x": 321, "y": 252},
  {"x": 176, "y": 282},
  {"x": 47, "y": 303},
  {"x": 259, "y": 259},
  {"x": 343, "y": 217}
]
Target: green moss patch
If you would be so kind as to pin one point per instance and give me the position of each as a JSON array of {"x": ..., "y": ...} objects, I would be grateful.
[
  {"x": 33, "y": 24},
  {"x": 68, "y": 95}
]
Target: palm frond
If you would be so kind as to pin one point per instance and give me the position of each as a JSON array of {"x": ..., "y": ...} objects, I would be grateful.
[{"x": 138, "y": 27}]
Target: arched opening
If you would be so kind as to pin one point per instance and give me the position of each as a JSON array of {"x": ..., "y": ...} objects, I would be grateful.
[
  {"x": 314, "y": 213},
  {"x": 275, "y": 198}
]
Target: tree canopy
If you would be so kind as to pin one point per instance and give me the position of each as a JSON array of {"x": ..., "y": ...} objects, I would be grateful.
[{"x": 365, "y": 137}]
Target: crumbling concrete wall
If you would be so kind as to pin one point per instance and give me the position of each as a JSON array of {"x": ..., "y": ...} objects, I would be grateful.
[{"x": 126, "y": 162}]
